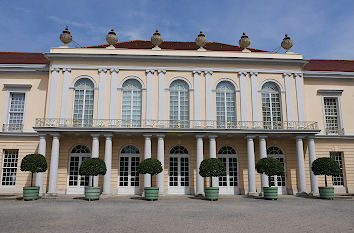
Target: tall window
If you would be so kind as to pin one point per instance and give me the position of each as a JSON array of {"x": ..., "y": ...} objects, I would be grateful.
[
  {"x": 228, "y": 156},
  {"x": 277, "y": 180},
  {"x": 331, "y": 114},
  {"x": 179, "y": 104},
  {"x": 225, "y": 105},
  {"x": 9, "y": 167},
  {"x": 131, "y": 103},
  {"x": 77, "y": 155},
  {"x": 83, "y": 102},
  {"x": 16, "y": 111},
  {"x": 338, "y": 180},
  {"x": 271, "y": 106}
]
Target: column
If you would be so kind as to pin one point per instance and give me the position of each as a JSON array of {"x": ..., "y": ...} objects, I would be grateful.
[
  {"x": 65, "y": 93},
  {"x": 101, "y": 92},
  {"x": 108, "y": 161},
  {"x": 251, "y": 166},
  {"x": 243, "y": 96},
  {"x": 95, "y": 154},
  {"x": 149, "y": 92},
  {"x": 41, "y": 150},
  {"x": 288, "y": 97},
  {"x": 196, "y": 101},
  {"x": 113, "y": 100},
  {"x": 254, "y": 85},
  {"x": 161, "y": 108},
  {"x": 53, "y": 92},
  {"x": 301, "y": 179},
  {"x": 299, "y": 96},
  {"x": 312, "y": 157},
  {"x": 147, "y": 155},
  {"x": 54, "y": 162},
  {"x": 208, "y": 97},
  {"x": 263, "y": 154},
  {"x": 212, "y": 154},
  {"x": 199, "y": 178},
  {"x": 161, "y": 157}
]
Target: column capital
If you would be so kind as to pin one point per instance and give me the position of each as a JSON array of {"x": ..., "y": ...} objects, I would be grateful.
[
  {"x": 311, "y": 137},
  {"x": 242, "y": 73},
  {"x": 286, "y": 74},
  {"x": 250, "y": 137},
  {"x": 94, "y": 135},
  {"x": 102, "y": 70},
  {"x": 253, "y": 73},
  {"x": 160, "y": 135},
  {"x": 210, "y": 72},
  {"x": 300, "y": 137},
  {"x": 67, "y": 69},
  {"x": 54, "y": 69},
  {"x": 262, "y": 137},
  {"x": 57, "y": 135},
  {"x": 196, "y": 72},
  {"x": 114, "y": 70},
  {"x": 108, "y": 135},
  {"x": 150, "y": 71},
  {"x": 161, "y": 71},
  {"x": 212, "y": 136},
  {"x": 298, "y": 75},
  {"x": 199, "y": 136},
  {"x": 42, "y": 135},
  {"x": 147, "y": 135}
]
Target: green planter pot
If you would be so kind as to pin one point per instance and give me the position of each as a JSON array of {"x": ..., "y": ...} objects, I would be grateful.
[
  {"x": 92, "y": 193},
  {"x": 326, "y": 192},
  {"x": 30, "y": 193},
  {"x": 211, "y": 193},
  {"x": 270, "y": 193},
  {"x": 151, "y": 193}
]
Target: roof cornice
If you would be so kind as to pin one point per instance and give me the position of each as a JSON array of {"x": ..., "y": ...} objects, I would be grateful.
[
  {"x": 328, "y": 74},
  {"x": 24, "y": 68}
]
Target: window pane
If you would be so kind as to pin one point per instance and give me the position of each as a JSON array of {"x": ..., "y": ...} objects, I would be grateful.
[{"x": 9, "y": 167}]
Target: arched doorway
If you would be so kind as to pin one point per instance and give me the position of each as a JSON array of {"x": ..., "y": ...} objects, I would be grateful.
[
  {"x": 178, "y": 171},
  {"x": 229, "y": 184},
  {"x": 278, "y": 181},
  {"x": 76, "y": 183},
  {"x": 128, "y": 176}
]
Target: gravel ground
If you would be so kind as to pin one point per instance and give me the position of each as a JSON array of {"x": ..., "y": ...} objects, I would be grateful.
[{"x": 177, "y": 214}]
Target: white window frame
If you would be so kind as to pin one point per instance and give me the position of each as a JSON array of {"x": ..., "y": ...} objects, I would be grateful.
[
  {"x": 226, "y": 123},
  {"x": 181, "y": 124},
  {"x": 2, "y": 167},
  {"x": 343, "y": 169},
  {"x": 272, "y": 123},
  {"x": 179, "y": 190},
  {"x": 80, "y": 124},
  {"x": 332, "y": 94},
  {"x": 229, "y": 189},
  {"x": 131, "y": 123}
]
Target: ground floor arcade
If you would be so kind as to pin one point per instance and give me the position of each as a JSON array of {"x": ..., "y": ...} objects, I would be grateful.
[{"x": 180, "y": 155}]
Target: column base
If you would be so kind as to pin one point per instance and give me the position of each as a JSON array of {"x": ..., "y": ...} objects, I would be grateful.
[
  {"x": 252, "y": 194},
  {"x": 50, "y": 195},
  {"x": 302, "y": 194}
]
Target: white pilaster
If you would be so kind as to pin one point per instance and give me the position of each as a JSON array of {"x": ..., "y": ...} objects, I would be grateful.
[
  {"x": 149, "y": 92},
  {"x": 161, "y": 111},
  {"x": 312, "y": 157},
  {"x": 301, "y": 179},
  {"x": 65, "y": 93},
  {"x": 53, "y": 92},
  {"x": 161, "y": 157},
  {"x": 147, "y": 155},
  {"x": 41, "y": 150},
  {"x": 199, "y": 178},
  {"x": 254, "y": 86},
  {"x": 113, "y": 100},
  {"x": 197, "y": 99},
  {"x": 299, "y": 96},
  {"x": 288, "y": 97},
  {"x": 54, "y": 161},
  {"x": 108, "y": 161},
  {"x": 251, "y": 166},
  {"x": 212, "y": 154},
  {"x": 101, "y": 92},
  {"x": 95, "y": 154},
  {"x": 263, "y": 154},
  {"x": 208, "y": 96},
  {"x": 243, "y": 95}
]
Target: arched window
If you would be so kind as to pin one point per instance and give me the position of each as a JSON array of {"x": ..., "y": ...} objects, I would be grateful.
[
  {"x": 179, "y": 104},
  {"x": 129, "y": 159},
  {"x": 225, "y": 105},
  {"x": 83, "y": 102},
  {"x": 229, "y": 183},
  {"x": 277, "y": 181},
  {"x": 271, "y": 106},
  {"x": 131, "y": 103},
  {"x": 76, "y": 183},
  {"x": 178, "y": 171}
]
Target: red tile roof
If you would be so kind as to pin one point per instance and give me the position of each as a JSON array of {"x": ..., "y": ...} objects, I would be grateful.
[
  {"x": 22, "y": 58},
  {"x": 330, "y": 65},
  {"x": 174, "y": 45}
]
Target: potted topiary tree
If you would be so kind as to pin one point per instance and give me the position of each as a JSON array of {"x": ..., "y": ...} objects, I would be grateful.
[
  {"x": 326, "y": 167},
  {"x": 270, "y": 167},
  {"x": 92, "y": 167},
  {"x": 153, "y": 167},
  {"x": 33, "y": 163},
  {"x": 212, "y": 167}
]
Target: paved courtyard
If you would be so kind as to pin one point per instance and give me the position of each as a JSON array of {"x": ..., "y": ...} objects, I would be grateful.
[{"x": 177, "y": 214}]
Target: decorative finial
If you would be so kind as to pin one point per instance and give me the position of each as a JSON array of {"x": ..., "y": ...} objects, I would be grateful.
[
  {"x": 201, "y": 41},
  {"x": 287, "y": 43},
  {"x": 156, "y": 40},
  {"x": 244, "y": 42},
  {"x": 66, "y": 37},
  {"x": 111, "y": 38}
]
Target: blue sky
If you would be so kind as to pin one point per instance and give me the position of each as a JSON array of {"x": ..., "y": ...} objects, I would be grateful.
[{"x": 319, "y": 28}]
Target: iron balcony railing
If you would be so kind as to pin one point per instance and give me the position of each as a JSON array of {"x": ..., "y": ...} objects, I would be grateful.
[
  {"x": 12, "y": 127},
  {"x": 176, "y": 124}
]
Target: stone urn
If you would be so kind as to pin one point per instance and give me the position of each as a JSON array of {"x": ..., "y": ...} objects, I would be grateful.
[
  {"x": 111, "y": 38},
  {"x": 287, "y": 43},
  {"x": 201, "y": 41},
  {"x": 66, "y": 37},
  {"x": 244, "y": 42},
  {"x": 156, "y": 40}
]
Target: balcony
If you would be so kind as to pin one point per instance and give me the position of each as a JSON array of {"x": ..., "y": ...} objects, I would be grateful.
[
  {"x": 12, "y": 128},
  {"x": 176, "y": 124}
]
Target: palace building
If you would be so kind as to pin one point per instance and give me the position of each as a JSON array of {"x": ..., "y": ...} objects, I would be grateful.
[{"x": 179, "y": 102}]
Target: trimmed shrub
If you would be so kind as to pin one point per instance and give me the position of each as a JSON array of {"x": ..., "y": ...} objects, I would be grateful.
[
  {"x": 33, "y": 163},
  {"x": 326, "y": 167},
  {"x": 150, "y": 166},
  {"x": 269, "y": 166},
  {"x": 92, "y": 167},
  {"x": 212, "y": 167}
]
